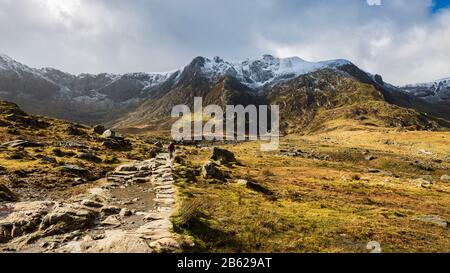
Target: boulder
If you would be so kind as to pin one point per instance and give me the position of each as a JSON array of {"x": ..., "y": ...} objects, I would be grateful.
[
  {"x": 74, "y": 131},
  {"x": 73, "y": 169},
  {"x": 108, "y": 134},
  {"x": 65, "y": 219},
  {"x": 99, "y": 129},
  {"x": 445, "y": 178},
  {"x": 211, "y": 170},
  {"x": 22, "y": 143},
  {"x": 112, "y": 220},
  {"x": 223, "y": 156},
  {"x": 89, "y": 157},
  {"x": 6, "y": 194},
  {"x": 258, "y": 187},
  {"x": 91, "y": 203},
  {"x": 109, "y": 210},
  {"x": 24, "y": 218}
]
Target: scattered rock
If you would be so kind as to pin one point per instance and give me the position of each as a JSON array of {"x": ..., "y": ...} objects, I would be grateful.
[
  {"x": 22, "y": 143},
  {"x": 434, "y": 219},
  {"x": 109, "y": 210},
  {"x": 79, "y": 181},
  {"x": 99, "y": 129},
  {"x": 445, "y": 177},
  {"x": 108, "y": 134},
  {"x": 112, "y": 220},
  {"x": 125, "y": 212},
  {"x": 127, "y": 168},
  {"x": 211, "y": 170},
  {"x": 24, "y": 218},
  {"x": 74, "y": 131},
  {"x": 370, "y": 157},
  {"x": 91, "y": 203},
  {"x": 73, "y": 169},
  {"x": 259, "y": 188},
  {"x": 89, "y": 157},
  {"x": 6, "y": 194},
  {"x": 47, "y": 159},
  {"x": 65, "y": 219},
  {"x": 421, "y": 182},
  {"x": 425, "y": 152},
  {"x": 223, "y": 156}
]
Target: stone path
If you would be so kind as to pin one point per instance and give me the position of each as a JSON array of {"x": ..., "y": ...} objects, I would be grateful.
[{"x": 111, "y": 226}]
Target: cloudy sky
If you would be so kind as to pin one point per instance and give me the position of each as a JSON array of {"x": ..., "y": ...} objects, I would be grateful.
[{"x": 404, "y": 40}]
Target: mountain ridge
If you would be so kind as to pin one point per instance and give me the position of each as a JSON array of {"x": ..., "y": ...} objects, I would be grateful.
[{"x": 133, "y": 99}]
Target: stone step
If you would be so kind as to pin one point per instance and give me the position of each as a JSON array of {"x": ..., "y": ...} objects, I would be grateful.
[
  {"x": 165, "y": 201},
  {"x": 164, "y": 196},
  {"x": 140, "y": 180},
  {"x": 167, "y": 191}
]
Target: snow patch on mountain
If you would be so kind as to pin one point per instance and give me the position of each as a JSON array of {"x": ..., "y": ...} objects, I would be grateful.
[
  {"x": 266, "y": 70},
  {"x": 439, "y": 89}
]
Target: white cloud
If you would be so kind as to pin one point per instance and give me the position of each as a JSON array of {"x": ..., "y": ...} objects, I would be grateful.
[{"x": 399, "y": 39}]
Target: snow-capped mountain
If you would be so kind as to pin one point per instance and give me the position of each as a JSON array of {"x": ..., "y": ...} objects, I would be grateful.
[
  {"x": 133, "y": 98},
  {"x": 266, "y": 70},
  {"x": 431, "y": 91}
]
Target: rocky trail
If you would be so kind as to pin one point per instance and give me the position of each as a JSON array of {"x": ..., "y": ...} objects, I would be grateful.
[{"x": 128, "y": 211}]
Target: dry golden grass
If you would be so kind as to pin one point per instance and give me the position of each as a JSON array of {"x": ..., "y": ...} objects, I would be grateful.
[{"x": 332, "y": 205}]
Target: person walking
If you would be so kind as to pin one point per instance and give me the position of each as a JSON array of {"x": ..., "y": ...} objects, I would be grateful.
[{"x": 171, "y": 149}]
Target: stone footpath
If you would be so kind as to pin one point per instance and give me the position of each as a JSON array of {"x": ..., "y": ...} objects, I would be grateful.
[{"x": 90, "y": 223}]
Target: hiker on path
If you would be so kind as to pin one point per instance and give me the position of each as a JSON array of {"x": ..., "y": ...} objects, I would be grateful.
[{"x": 171, "y": 149}]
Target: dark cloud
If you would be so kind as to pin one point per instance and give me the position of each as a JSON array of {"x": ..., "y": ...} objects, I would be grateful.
[{"x": 401, "y": 39}]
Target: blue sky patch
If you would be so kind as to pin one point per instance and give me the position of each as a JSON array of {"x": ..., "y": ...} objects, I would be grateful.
[{"x": 440, "y": 4}]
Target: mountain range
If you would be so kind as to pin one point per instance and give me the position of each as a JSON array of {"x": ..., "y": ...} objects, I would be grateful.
[{"x": 309, "y": 93}]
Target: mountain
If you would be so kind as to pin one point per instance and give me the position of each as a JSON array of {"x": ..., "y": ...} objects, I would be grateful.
[
  {"x": 143, "y": 101},
  {"x": 83, "y": 98}
]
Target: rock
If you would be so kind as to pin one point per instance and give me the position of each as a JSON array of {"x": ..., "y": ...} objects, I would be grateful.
[
  {"x": 420, "y": 182},
  {"x": 370, "y": 170},
  {"x": 125, "y": 212},
  {"x": 117, "y": 144},
  {"x": 79, "y": 181},
  {"x": 6, "y": 194},
  {"x": 91, "y": 203},
  {"x": 74, "y": 131},
  {"x": 425, "y": 152},
  {"x": 112, "y": 220},
  {"x": 22, "y": 143},
  {"x": 378, "y": 79},
  {"x": 225, "y": 157},
  {"x": 24, "y": 218},
  {"x": 242, "y": 182},
  {"x": 89, "y": 157},
  {"x": 99, "y": 129},
  {"x": 165, "y": 245},
  {"x": 109, "y": 210},
  {"x": 259, "y": 188},
  {"x": 114, "y": 241},
  {"x": 445, "y": 178},
  {"x": 370, "y": 157},
  {"x": 73, "y": 169},
  {"x": 434, "y": 219},
  {"x": 47, "y": 159},
  {"x": 65, "y": 219},
  {"x": 211, "y": 170},
  {"x": 108, "y": 134},
  {"x": 127, "y": 168}
]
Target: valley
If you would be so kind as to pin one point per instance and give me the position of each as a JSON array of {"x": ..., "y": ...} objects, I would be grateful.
[{"x": 84, "y": 164}]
